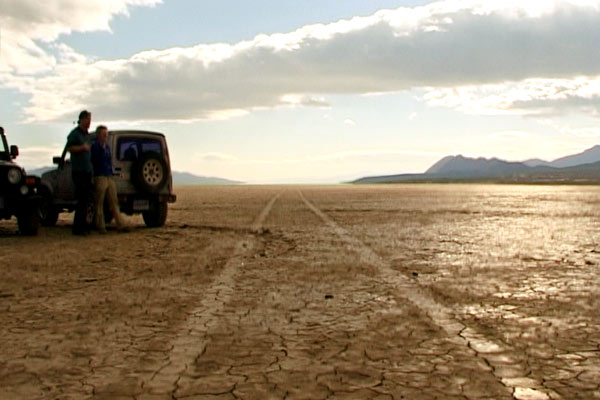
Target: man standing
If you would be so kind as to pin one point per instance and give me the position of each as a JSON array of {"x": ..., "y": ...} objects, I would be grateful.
[
  {"x": 104, "y": 185},
  {"x": 78, "y": 144}
]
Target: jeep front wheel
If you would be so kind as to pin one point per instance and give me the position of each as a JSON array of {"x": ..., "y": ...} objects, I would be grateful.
[
  {"x": 28, "y": 220},
  {"x": 156, "y": 217}
]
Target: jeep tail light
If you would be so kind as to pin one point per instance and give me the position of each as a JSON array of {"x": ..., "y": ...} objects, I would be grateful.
[{"x": 30, "y": 180}]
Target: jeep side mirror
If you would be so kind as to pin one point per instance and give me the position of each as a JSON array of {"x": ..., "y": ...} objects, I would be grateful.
[
  {"x": 14, "y": 151},
  {"x": 58, "y": 161}
]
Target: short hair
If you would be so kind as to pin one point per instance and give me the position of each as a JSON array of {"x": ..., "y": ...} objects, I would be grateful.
[
  {"x": 100, "y": 127},
  {"x": 84, "y": 114}
]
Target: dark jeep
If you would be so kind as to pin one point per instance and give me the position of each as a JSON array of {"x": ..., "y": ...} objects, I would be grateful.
[
  {"x": 142, "y": 173},
  {"x": 18, "y": 192}
]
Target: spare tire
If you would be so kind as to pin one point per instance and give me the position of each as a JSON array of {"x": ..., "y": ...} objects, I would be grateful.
[{"x": 150, "y": 172}]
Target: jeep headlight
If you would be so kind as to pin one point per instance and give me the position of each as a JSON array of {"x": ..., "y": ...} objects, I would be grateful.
[
  {"x": 24, "y": 190},
  {"x": 14, "y": 176}
]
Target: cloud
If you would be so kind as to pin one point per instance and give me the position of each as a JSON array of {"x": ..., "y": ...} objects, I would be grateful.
[
  {"x": 26, "y": 24},
  {"x": 477, "y": 56},
  {"x": 528, "y": 97},
  {"x": 307, "y": 101},
  {"x": 589, "y": 132},
  {"x": 510, "y": 135},
  {"x": 349, "y": 121},
  {"x": 37, "y": 156},
  {"x": 215, "y": 157}
]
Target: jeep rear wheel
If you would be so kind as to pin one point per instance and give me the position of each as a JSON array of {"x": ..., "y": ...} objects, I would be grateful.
[
  {"x": 150, "y": 172},
  {"x": 156, "y": 217}
]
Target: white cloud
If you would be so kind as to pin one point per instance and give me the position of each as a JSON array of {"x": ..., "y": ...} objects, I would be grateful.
[
  {"x": 528, "y": 97},
  {"x": 215, "y": 157},
  {"x": 589, "y": 132},
  {"x": 479, "y": 56},
  {"x": 510, "y": 135},
  {"x": 38, "y": 156},
  {"x": 26, "y": 24},
  {"x": 349, "y": 121},
  {"x": 307, "y": 101}
]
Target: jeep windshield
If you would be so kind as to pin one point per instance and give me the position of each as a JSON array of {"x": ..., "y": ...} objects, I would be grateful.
[{"x": 4, "y": 150}]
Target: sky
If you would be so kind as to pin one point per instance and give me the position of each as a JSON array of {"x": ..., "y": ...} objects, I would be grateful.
[{"x": 306, "y": 91}]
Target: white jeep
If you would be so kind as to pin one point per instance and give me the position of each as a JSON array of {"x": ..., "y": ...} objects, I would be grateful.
[{"x": 142, "y": 173}]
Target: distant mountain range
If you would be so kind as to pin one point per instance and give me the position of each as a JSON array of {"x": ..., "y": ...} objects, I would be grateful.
[
  {"x": 578, "y": 168},
  {"x": 185, "y": 178},
  {"x": 179, "y": 178}
]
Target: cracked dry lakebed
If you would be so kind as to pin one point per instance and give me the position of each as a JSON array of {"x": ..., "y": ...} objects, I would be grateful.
[{"x": 313, "y": 292}]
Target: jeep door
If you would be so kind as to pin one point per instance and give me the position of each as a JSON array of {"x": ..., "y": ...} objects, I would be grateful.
[{"x": 64, "y": 188}]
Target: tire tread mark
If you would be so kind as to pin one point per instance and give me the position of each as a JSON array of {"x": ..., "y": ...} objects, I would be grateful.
[
  {"x": 485, "y": 348},
  {"x": 191, "y": 340}
]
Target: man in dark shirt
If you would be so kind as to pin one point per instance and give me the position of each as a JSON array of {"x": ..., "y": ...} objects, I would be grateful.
[
  {"x": 104, "y": 185},
  {"x": 78, "y": 144}
]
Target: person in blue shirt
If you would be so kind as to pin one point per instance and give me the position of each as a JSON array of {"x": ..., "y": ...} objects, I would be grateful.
[
  {"x": 78, "y": 144},
  {"x": 104, "y": 185}
]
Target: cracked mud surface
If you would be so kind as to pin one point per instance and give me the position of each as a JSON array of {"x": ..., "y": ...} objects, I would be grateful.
[{"x": 385, "y": 292}]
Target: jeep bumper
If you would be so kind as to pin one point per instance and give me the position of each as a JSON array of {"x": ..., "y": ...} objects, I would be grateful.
[
  {"x": 132, "y": 204},
  {"x": 13, "y": 204}
]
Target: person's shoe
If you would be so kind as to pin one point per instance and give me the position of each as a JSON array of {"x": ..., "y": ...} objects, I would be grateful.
[
  {"x": 123, "y": 229},
  {"x": 81, "y": 232},
  {"x": 102, "y": 231}
]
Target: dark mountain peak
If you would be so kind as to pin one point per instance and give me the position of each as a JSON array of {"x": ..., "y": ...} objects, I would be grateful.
[
  {"x": 588, "y": 156},
  {"x": 536, "y": 162},
  {"x": 460, "y": 166},
  {"x": 580, "y": 168},
  {"x": 443, "y": 163}
]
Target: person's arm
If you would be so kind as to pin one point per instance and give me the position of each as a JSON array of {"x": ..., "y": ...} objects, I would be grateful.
[
  {"x": 79, "y": 148},
  {"x": 76, "y": 145}
]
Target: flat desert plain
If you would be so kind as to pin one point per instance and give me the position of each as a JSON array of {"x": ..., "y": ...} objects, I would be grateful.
[{"x": 313, "y": 292}]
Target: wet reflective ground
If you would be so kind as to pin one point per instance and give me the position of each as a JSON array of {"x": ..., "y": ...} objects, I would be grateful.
[{"x": 521, "y": 263}]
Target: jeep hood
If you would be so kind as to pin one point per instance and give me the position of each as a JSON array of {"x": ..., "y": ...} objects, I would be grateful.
[{"x": 4, "y": 163}]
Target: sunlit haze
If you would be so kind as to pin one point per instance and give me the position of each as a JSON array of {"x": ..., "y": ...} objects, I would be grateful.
[{"x": 312, "y": 91}]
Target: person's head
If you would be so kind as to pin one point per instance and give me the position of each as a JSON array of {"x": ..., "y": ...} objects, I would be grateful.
[
  {"x": 101, "y": 134},
  {"x": 85, "y": 119}
]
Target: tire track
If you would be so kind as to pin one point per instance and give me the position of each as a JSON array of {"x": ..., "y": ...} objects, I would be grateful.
[
  {"x": 190, "y": 342},
  {"x": 496, "y": 354}
]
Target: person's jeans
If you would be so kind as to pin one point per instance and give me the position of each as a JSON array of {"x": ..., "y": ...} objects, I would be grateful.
[
  {"x": 105, "y": 187},
  {"x": 83, "y": 194}
]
